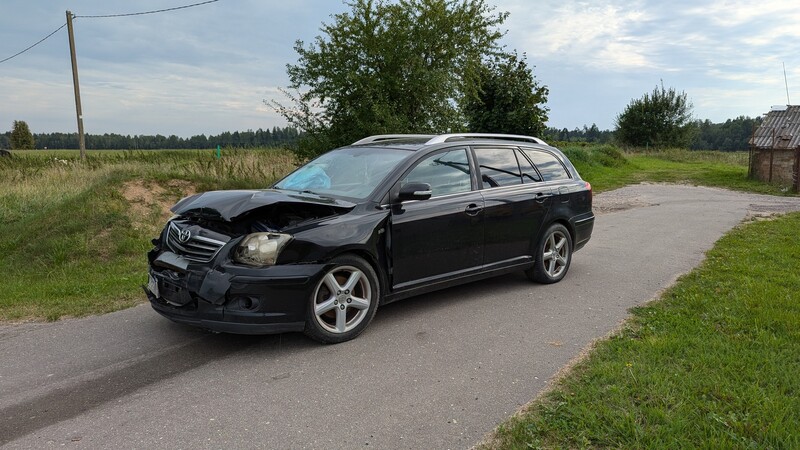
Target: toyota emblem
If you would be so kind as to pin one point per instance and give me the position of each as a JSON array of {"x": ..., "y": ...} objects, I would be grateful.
[{"x": 184, "y": 235}]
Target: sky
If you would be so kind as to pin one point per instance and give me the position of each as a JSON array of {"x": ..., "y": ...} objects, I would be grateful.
[{"x": 208, "y": 69}]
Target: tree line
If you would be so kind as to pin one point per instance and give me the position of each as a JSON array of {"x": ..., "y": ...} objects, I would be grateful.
[
  {"x": 731, "y": 135},
  {"x": 276, "y": 137}
]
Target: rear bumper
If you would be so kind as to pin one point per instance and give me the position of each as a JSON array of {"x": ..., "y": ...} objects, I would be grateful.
[
  {"x": 231, "y": 298},
  {"x": 583, "y": 226}
]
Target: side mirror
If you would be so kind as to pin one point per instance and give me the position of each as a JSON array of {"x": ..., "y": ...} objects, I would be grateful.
[{"x": 415, "y": 191}]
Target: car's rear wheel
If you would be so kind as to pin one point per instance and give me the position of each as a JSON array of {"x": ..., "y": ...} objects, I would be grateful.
[
  {"x": 344, "y": 301},
  {"x": 553, "y": 255}
]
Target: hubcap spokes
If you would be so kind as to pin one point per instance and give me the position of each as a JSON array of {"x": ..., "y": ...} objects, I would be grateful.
[
  {"x": 555, "y": 254},
  {"x": 342, "y": 299}
]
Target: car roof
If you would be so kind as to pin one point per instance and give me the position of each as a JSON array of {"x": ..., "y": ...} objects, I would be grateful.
[{"x": 419, "y": 141}]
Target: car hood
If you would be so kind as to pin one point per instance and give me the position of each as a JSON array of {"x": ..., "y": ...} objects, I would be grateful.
[{"x": 230, "y": 205}]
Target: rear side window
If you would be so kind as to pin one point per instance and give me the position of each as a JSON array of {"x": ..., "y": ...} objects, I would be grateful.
[
  {"x": 498, "y": 167},
  {"x": 549, "y": 166},
  {"x": 447, "y": 173}
]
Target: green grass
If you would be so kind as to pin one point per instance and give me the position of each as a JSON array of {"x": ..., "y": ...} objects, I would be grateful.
[
  {"x": 73, "y": 235},
  {"x": 607, "y": 168},
  {"x": 714, "y": 364}
]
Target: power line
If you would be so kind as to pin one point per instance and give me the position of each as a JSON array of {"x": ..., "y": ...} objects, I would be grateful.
[
  {"x": 147, "y": 12},
  {"x": 34, "y": 45},
  {"x": 104, "y": 16}
]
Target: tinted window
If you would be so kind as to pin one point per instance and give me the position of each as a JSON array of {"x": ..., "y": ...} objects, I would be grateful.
[
  {"x": 529, "y": 174},
  {"x": 549, "y": 166},
  {"x": 498, "y": 167},
  {"x": 447, "y": 172}
]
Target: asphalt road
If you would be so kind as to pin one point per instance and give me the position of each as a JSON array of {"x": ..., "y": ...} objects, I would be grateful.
[{"x": 437, "y": 371}]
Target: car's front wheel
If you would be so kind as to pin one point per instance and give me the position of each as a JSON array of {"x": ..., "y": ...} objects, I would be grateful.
[
  {"x": 553, "y": 255},
  {"x": 343, "y": 302}
]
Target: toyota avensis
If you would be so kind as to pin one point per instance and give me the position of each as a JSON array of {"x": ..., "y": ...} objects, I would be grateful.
[{"x": 385, "y": 218}]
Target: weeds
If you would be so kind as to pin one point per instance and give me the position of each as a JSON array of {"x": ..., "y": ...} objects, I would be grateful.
[{"x": 72, "y": 244}]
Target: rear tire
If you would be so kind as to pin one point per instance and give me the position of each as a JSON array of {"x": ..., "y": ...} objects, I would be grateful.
[
  {"x": 344, "y": 301},
  {"x": 553, "y": 256}
]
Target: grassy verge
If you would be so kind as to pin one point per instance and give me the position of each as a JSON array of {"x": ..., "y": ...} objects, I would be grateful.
[
  {"x": 73, "y": 235},
  {"x": 606, "y": 168},
  {"x": 714, "y": 364}
]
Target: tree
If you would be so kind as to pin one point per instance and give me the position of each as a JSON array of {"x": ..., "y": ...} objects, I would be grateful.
[
  {"x": 508, "y": 99},
  {"x": 662, "y": 118},
  {"x": 389, "y": 67},
  {"x": 731, "y": 135},
  {"x": 21, "y": 137}
]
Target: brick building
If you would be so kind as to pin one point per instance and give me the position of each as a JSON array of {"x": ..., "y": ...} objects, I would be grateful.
[{"x": 775, "y": 147}]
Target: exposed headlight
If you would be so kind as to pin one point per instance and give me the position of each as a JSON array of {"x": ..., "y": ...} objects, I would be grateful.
[{"x": 261, "y": 249}]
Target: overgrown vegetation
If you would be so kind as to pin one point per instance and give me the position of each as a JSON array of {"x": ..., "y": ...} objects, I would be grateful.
[
  {"x": 712, "y": 365},
  {"x": 74, "y": 235},
  {"x": 606, "y": 167}
]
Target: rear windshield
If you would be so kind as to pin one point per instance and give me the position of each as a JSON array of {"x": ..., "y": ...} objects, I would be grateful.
[{"x": 349, "y": 172}]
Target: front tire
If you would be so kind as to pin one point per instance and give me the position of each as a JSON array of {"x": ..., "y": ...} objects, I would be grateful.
[
  {"x": 553, "y": 256},
  {"x": 344, "y": 301}
]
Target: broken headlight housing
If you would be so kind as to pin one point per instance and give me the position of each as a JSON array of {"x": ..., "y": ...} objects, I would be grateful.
[{"x": 260, "y": 249}]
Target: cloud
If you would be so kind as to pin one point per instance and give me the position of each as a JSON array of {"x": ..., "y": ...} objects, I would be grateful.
[
  {"x": 601, "y": 35},
  {"x": 207, "y": 69}
]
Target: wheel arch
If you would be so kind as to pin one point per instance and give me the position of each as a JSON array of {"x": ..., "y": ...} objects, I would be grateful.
[
  {"x": 561, "y": 221},
  {"x": 371, "y": 259}
]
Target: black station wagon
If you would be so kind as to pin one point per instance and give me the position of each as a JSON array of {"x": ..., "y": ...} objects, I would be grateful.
[{"x": 385, "y": 218}]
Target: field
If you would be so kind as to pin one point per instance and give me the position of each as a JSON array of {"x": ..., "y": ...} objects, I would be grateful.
[{"x": 75, "y": 234}]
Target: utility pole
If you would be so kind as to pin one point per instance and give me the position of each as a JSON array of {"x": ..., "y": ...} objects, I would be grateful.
[{"x": 81, "y": 139}]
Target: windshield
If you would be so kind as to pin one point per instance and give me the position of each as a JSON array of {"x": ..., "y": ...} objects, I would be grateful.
[{"x": 350, "y": 172}]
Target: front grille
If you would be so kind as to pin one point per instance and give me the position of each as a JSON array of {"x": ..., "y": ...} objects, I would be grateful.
[{"x": 195, "y": 248}]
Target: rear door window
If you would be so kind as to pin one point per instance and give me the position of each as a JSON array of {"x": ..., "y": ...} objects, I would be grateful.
[{"x": 498, "y": 167}]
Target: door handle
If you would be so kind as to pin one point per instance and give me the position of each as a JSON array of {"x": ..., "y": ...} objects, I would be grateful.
[
  {"x": 542, "y": 196},
  {"x": 473, "y": 209}
]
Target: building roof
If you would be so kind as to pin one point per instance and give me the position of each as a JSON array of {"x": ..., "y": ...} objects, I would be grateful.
[{"x": 780, "y": 129}]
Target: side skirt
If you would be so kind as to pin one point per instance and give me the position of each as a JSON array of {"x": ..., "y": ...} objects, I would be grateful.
[{"x": 412, "y": 289}]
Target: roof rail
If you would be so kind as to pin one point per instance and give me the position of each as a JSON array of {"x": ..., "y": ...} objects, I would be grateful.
[
  {"x": 441, "y": 138},
  {"x": 386, "y": 137},
  {"x": 446, "y": 137}
]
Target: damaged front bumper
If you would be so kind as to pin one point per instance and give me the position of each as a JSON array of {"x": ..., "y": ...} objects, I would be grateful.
[{"x": 231, "y": 298}]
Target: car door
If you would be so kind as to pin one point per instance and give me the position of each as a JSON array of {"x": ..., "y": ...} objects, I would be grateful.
[
  {"x": 441, "y": 237},
  {"x": 516, "y": 203}
]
